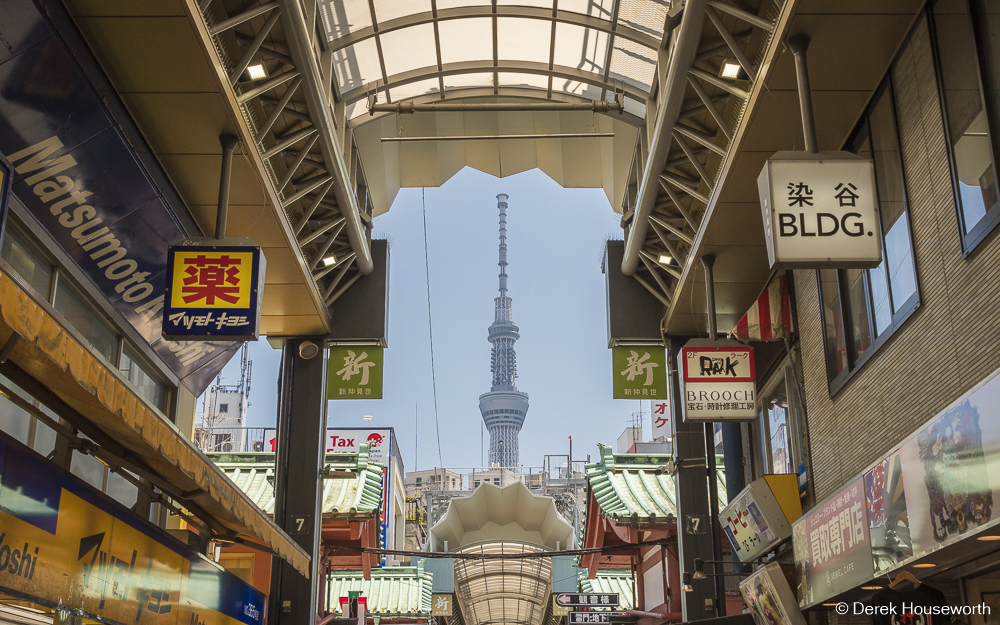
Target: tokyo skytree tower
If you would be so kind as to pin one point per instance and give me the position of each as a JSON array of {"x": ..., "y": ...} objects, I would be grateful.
[{"x": 504, "y": 406}]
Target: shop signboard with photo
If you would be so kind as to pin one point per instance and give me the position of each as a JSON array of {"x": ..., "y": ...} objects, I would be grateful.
[
  {"x": 832, "y": 546},
  {"x": 769, "y": 597},
  {"x": 757, "y": 519}
]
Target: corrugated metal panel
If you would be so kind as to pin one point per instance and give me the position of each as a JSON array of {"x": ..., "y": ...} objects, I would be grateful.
[
  {"x": 357, "y": 491},
  {"x": 610, "y": 581},
  {"x": 628, "y": 489},
  {"x": 403, "y": 591}
]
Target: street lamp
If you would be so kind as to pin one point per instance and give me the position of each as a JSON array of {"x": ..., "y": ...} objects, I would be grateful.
[
  {"x": 687, "y": 583},
  {"x": 367, "y": 418}
]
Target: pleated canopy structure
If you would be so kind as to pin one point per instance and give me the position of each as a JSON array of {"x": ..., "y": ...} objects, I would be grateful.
[{"x": 503, "y": 521}]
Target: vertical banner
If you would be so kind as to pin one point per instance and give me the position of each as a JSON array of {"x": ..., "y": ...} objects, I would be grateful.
[
  {"x": 354, "y": 372},
  {"x": 213, "y": 292},
  {"x": 659, "y": 411},
  {"x": 639, "y": 372}
]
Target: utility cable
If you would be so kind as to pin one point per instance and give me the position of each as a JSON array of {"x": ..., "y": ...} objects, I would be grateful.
[
  {"x": 664, "y": 542},
  {"x": 430, "y": 328}
]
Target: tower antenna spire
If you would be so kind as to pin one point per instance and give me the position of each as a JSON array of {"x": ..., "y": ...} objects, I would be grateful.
[{"x": 504, "y": 407}]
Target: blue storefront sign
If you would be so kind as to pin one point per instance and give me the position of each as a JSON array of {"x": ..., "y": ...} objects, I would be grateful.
[
  {"x": 213, "y": 291},
  {"x": 76, "y": 173}
]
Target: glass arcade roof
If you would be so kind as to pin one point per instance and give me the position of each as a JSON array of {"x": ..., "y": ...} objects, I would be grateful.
[{"x": 562, "y": 49}]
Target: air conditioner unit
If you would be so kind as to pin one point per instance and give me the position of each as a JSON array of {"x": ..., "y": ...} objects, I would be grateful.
[
  {"x": 258, "y": 445},
  {"x": 227, "y": 446}
]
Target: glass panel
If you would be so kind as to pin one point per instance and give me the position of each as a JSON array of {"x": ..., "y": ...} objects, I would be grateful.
[
  {"x": 89, "y": 469},
  {"x": 964, "y": 109},
  {"x": 341, "y": 17},
  {"x": 581, "y": 48},
  {"x": 633, "y": 63},
  {"x": 836, "y": 343},
  {"x": 121, "y": 490},
  {"x": 45, "y": 439},
  {"x": 79, "y": 314},
  {"x": 414, "y": 89},
  {"x": 777, "y": 420},
  {"x": 521, "y": 39},
  {"x": 545, "y": 4},
  {"x": 27, "y": 262},
  {"x": 466, "y": 40},
  {"x": 460, "y": 81},
  {"x": 450, "y": 4},
  {"x": 14, "y": 421},
  {"x": 357, "y": 65},
  {"x": 148, "y": 386},
  {"x": 858, "y": 301},
  {"x": 597, "y": 8},
  {"x": 649, "y": 17},
  {"x": 409, "y": 49},
  {"x": 534, "y": 81},
  {"x": 391, "y": 9}
]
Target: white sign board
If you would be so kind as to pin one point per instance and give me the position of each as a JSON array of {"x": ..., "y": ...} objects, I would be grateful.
[
  {"x": 820, "y": 210},
  {"x": 719, "y": 381},
  {"x": 753, "y": 521},
  {"x": 347, "y": 441},
  {"x": 659, "y": 411}
]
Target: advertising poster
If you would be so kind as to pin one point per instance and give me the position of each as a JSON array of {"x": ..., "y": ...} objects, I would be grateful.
[
  {"x": 769, "y": 597},
  {"x": 888, "y": 523},
  {"x": 832, "y": 546}
]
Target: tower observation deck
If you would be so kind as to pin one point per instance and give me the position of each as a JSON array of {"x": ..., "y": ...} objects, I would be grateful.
[{"x": 504, "y": 407}]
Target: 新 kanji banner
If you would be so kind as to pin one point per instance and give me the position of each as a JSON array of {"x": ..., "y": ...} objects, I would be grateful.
[
  {"x": 354, "y": 372},
  {"x": 213, "y": 292}
]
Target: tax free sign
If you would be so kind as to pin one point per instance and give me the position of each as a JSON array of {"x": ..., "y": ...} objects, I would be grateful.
[{"x": 820, "y": 211}]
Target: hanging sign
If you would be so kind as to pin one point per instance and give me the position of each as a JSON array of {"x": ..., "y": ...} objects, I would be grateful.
[
  {"x": 659, "y": 410},
  {"x": 820, "y": 210},
  {"x": 213, "y": 292},
  {"x": 587, "y": 599},
  {"x": 719, "y": 381},
  {"x": 441, "y": 605},
  {"x": 769, "y": 597},
  {"x": 354, "y": 372},
  {"x": 639, "y": 372},
  {"x": 760, "y": 517}
]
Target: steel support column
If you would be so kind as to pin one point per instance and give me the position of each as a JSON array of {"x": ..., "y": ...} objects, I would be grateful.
[
  {"x": 297, "y": 487},
  {"x": 694, "y": 527}
]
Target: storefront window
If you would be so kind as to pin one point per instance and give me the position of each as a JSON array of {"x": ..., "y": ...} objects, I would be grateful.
[
  {"x": 27, "y": 261},
  {"x": 85, "y": 319},
  {"x": 969, "y": 68},
  {"x": 780, "y": 426},
  {"x": 148, "y": 386},
  {"x": 862, "y": 307}
]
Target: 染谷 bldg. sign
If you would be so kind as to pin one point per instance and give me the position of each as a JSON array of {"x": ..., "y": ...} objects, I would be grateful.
[
  {"x": 354, "y": 372},
  {"x": 719, "y": 381},
  {"x": 639, "y": 372},
  {"x": 213, "y": 292},
  {"x": 760, "y": 517},
  {"x": 820, "y": 210}
]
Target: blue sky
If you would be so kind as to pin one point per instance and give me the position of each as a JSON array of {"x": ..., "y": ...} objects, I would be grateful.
[{"x": 555, "y": 240}]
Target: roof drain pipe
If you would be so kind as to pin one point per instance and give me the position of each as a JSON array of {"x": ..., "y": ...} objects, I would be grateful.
[
  {"x": 799, "y": 44},
  {"x": 294, "y": 24},
  {"x": 229, "y": 143},
  {"x": 708, "y": 261},
  {"x": 685, "y": 49}
]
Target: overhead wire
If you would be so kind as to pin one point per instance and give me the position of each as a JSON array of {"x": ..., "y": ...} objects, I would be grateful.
[{"x": 430, "y": 327}]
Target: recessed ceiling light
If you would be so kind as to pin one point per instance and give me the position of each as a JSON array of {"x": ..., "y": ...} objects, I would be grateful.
[
  {"x": 256, "y": 71},
  {"x": 988, "y": 538},
  {"x": 925, "y": 565},
  {"x": 830, "y": 605},
  {"x": 329, "y": 260},
  {"x": 730, "y": 70},
  {"x": 664, "y": 259},
  {"x": 871, "y": 588}
]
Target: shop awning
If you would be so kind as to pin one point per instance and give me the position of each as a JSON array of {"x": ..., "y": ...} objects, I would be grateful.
[
  {"x": 352, "y": 490},
  {"x": 629, "y": 489},
  {"x": 770, "y": 317},
  {"x": 395, "y": 592},
  {"x": 123, "y": 425}
]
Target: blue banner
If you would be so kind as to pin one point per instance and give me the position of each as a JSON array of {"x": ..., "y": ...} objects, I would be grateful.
[{"x": 78, "y": 175}]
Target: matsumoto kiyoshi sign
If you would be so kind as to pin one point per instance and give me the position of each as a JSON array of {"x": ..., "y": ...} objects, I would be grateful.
[
  {"x": 719, "y": 381},
  {"x": 820, "y": 210},
  {"x": 112, "y": 211},
  {"x": 213, "y": 291},
  {"x": 639, "y": 372}
]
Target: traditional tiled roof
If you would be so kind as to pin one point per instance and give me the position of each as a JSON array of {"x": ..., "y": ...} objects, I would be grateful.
[
  {"x": 354, "y": 487},
  {"x": 619, "y": 581},
  {"x": 399, "y": 591},
  {"x": 629, "y": 489}
]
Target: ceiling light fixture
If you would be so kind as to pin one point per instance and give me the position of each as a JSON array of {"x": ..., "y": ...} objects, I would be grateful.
[
  {"x": 329, "y": 260},
  {"x": 687, "y": 583},
  {"x": 871, "y": 588},
  {"x": 367, "y": 418},
  {"x": 256, "y": 71},
  {"x": 699, "y": 566},
  {"x": 925, "y": 565},
  {"x": 988, "y": 538},
  {"x": 664, "y": 259},
  {"x": 731, "y": 70}
]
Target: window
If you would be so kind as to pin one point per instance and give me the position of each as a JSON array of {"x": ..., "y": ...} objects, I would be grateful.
[
  {"x": 143, "y": 381},
  {"x": 862, "y": 307},
  {"x": 968, "y": 56},
  {"x": 27, "y": 261},
  {"x": 82, "y": 316},
  {"x": 224, "y": 408}
]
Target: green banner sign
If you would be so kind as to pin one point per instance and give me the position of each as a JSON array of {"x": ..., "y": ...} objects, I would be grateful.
[
  {"x": 354, "y": 372},
  {"x": 639, "y": 372}
]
